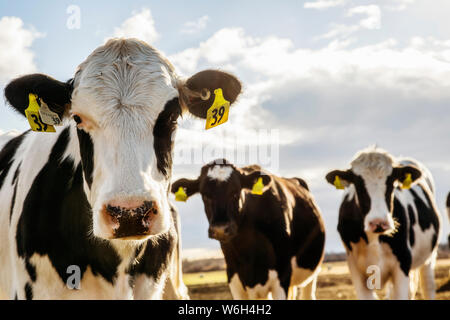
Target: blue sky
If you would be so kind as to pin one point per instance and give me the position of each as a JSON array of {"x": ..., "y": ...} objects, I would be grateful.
[{"x": 331, "y": 76}]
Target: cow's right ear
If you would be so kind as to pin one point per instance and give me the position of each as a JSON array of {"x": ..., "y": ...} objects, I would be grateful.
[
  {"x": 54, "y": 93},
  {"x": 340, "y": 179},
  {"x": 197, "y": 92},
  {"x": 189, "y": 186}
]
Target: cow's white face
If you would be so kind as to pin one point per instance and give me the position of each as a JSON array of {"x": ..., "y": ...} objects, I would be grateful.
[
  {"x": 373, "y": 177},
  {"x": 125, "y": 100},
  {"x": 117, "y": 101},
  {"x": 375, "y": 171}
]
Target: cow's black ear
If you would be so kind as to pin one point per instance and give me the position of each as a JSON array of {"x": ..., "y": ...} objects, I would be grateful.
[
  {"x": 54, "y": 93},
  {"x": 401, "y": 173},
  {"x": 190, "y": 186},
  {"x": 339, "y": 178},
  {"x": 248, "y": 180},
  {"x": 197, "y": 93}
]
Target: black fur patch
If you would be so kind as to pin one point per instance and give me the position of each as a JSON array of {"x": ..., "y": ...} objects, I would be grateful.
[
  {"x": 398, "y": 242},
  {"x": 56, "y": 220},
  {"x": 427, "y": 216},
  {"x": 87, "y": 155},
  {"x": 351, "y": 223},
  {"x": 28, "y": 291},
  {"x": 412, "y": 222},
  {"x": 164, "y": 127},
  {"x": 7, "y": 154}
]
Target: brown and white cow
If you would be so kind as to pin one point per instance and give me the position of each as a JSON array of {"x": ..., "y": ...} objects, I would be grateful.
[
  {"x": 92, "y": 198},
  {"x": 273, "y": 243},
  {"x": 389, "y": 223}
]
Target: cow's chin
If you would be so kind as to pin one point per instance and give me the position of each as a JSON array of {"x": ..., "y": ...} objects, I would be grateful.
[{"x": 129, "y": 230}]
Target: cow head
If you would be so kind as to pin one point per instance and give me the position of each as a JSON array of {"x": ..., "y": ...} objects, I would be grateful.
[
  {"x": 371, "y": 180},
  {"x": 123, "y": 104},
  {"x": 222, "y": 187}
]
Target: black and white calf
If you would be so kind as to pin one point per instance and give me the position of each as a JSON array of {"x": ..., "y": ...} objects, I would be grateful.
[
  {"x": 389, "y": 223},
  {"x": 93, "y": 196},
  {"x": 273, "y": 243}
]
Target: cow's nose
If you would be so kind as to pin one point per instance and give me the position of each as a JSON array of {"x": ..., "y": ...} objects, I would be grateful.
[
  {"x": 221, "y": 232},
  {"x": 379, "y": 225},
  {"x": 130, "y": 219}
]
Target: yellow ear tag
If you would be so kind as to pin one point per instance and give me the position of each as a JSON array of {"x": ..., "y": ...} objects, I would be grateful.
[
  {"x": 218, "y": 113},
  {"x": 406, "y": 184},
  {"x": 180, "y": 195},
  {"x": 337, "y": 183},
  {"x": 34, "y": 118},
  {"x": 258, "y": 187}
]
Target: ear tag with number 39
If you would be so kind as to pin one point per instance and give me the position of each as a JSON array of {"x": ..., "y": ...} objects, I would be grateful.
[
  {"x": 218, "y": 113},
  {"x": 34, "y": 118}
]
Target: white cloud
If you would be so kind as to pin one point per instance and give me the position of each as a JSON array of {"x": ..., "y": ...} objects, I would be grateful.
[
  {"x": 195, "y": 26},
  {"x": 371, "y": 22},
  {"x": 324, "y": 4},
  {"x": 141, "y": 25},
  {"x": 398, "y": 5},
  {"x": 373, "y": 12},
  {"x": 16, "y": 56}
]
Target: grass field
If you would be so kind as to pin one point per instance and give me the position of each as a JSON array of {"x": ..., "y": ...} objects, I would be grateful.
[{"x": 334, "y": 283}]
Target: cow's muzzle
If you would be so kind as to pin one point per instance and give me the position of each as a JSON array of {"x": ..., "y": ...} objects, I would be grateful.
[
  {"x": 131, "y": 222},
  {"x": 223, "y": 232}
]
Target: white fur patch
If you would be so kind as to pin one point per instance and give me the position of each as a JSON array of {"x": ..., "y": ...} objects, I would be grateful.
[{"x": 220, "y": 173}]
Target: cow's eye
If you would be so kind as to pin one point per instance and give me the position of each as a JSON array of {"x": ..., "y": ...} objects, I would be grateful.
[{"x": 77, "y": 119}]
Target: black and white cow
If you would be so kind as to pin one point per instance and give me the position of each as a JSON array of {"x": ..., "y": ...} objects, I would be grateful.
[
  {"x": 387, "y": 229},
  {"x": 273, "y": 243},
  {"x": 93, "y": 196}
]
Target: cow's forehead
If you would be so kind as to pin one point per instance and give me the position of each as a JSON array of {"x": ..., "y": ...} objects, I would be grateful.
[
  {"x": 123, "y": 73},
  {"x": 219, "y": 172},
  {"x": 373, "y": 164}
]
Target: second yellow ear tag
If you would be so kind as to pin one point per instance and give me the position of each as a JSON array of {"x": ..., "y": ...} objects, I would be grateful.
[
  {"x": 218, "y": 113},
  {"x": 258, "y": 187},
  {"x": 33, "y": 116},
  {"x": 406, "y": 184},
  {"x": 337, "y": 183},
  {"x": 180, "y": 195}
]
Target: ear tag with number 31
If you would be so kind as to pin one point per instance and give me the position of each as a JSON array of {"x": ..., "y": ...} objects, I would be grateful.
[
  {"x": 34, "y": 118},
  {"x": 218, "y": 113}
]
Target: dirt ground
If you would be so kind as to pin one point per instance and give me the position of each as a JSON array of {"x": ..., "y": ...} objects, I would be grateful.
[{"x": 334, "y": 283}]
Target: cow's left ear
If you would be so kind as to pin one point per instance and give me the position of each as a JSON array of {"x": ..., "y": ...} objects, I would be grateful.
[
  {"x": 54, "y": 93},
  {"x": 406, "y": 175},
  {"x": 248, "y": 180},
  {"x": 197, "y": 93}
]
